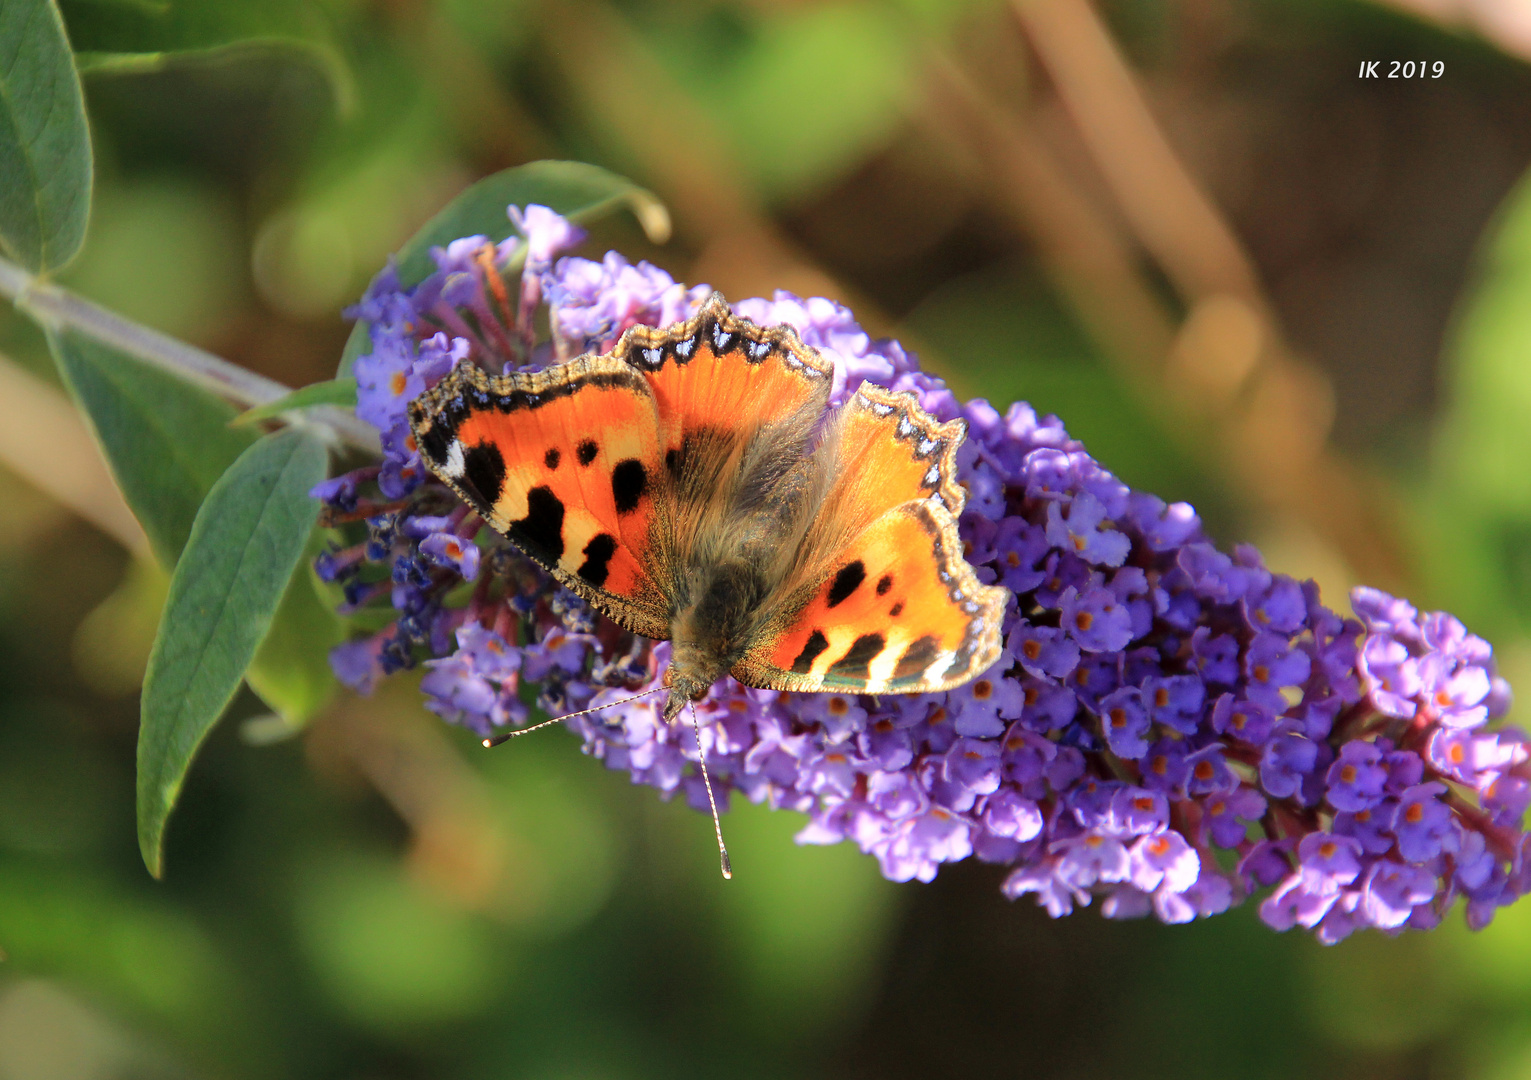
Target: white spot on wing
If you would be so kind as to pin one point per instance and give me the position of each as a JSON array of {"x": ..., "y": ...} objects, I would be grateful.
[
  {"x": 683, "y": 349},
  {"x": 454, "y": 465}
]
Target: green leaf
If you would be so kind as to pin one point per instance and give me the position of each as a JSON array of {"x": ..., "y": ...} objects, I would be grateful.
[
  {"x": 45, "y": 160},
  {"x": 249, "y": 535},
  {"x": 1477, "y": 524},
  {"x": 166, "y": 440},
  {"x": 578, "y": 191},
  {"x": 291, "y": 671},
  {"x": 818, "y": 89},
  {"x": 341, "y": 391},
  {"x": 128, "y": 38}
]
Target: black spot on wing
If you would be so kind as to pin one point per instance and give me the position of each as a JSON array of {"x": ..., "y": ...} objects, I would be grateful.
[
  {"x": 884, "y": 583},
  {"x": 587, "y": 451},
  {"x": 629, "y": 482},
  {"x": 896, "y": 610},
  {"x": 598, "y": 555},
  {"x": 815, "y": 644},
  {"x": 484, "y": 471},
  {"x": 855, "y": 664},
  {"x": 551, "y": 458},
  {"x": 542, "y": 528},
  {"x": 847, "y": 581},
  {"x": 436, "y": 444},
  {"x": 917, "y": 657},
  {"x": 672, "y": 460}
]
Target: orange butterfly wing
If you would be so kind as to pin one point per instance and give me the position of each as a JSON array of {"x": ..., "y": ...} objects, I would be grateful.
[
  {"x": 577, "y": 464},
  {"x": 566, "y": 463},
  {"x": 894, "y": 608},
  {"x": 698, "y": 380}
]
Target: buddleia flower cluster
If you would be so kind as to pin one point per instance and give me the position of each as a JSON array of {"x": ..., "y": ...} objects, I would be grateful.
[{"x": 1171, "y": 728}]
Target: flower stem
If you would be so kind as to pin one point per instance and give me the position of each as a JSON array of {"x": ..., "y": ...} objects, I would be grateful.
[{"x": 57, "y": 308}]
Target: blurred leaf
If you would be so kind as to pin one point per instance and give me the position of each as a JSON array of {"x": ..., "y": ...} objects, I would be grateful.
[
  {"x": 146, "y": 955},
  {"x": 391, "y": 954},
  {"x": 45, "y": 158},
  {"x": 1005, "y": 338},
  {"x": 822, "y": 87},
  {"x": 165, "y": 250},
  {"x": 1481, "y": 490},
  {"x": 578, "y": 191},
  {"x": 803, "y": 973},
  {"x": 121, "y": 38},
  {"x": 340, "y": 391},
  {"x": 166, "y": 440},
  {"x": 112, "y": 643},
  {"x": 291, "y": 670},
  {"x": 563, "y": 853},
  {"x": 249, "y": 535}
]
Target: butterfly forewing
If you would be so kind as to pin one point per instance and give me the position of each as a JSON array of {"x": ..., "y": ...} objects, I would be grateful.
[
  {"x": 718, "y": 373},
  {"x": 564, "y": 462}
]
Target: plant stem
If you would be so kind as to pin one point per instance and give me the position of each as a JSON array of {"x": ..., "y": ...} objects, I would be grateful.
[{"x": 58, "y": 308}]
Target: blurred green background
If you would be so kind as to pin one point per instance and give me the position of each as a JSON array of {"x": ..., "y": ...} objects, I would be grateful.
[{"x": 1299, "y": 298}]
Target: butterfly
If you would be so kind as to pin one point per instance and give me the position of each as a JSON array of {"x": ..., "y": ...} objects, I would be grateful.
[{"x": 691, "y": 485}]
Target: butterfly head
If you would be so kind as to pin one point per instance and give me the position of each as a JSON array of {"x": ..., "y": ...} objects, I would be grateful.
[
  {"x": 711, "y": 628},
  {"x": 685, "y": 687}
]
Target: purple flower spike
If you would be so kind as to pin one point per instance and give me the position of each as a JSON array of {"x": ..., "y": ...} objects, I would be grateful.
[{"x": 1159, "y": 701}]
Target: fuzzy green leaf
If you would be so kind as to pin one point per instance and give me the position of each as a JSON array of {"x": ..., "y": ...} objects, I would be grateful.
[
  {"x": 250, "y": 534},
  {"x": 291, "y": 671},
  {"x": 340, "y": 392},
  {"x": 45, "y": 158},
  {"x": 166, "y": 440},
  {"x": 130, "y": 38}
]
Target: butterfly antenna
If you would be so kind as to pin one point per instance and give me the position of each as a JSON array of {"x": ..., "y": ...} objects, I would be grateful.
[
  {"x": 505, "y": 737},
  {"x": 717, "y": 826}
]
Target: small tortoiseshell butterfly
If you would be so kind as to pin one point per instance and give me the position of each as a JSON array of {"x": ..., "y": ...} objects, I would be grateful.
[{"x": 689, "y": 485}]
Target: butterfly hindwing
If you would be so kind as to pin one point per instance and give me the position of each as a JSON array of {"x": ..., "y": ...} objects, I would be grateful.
[
  {"x": 893, "y": 608},
  {"x": 900, "y": 613},
  {"x": 566, "y": 463},
  {"x": 889, "y": 451}
]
